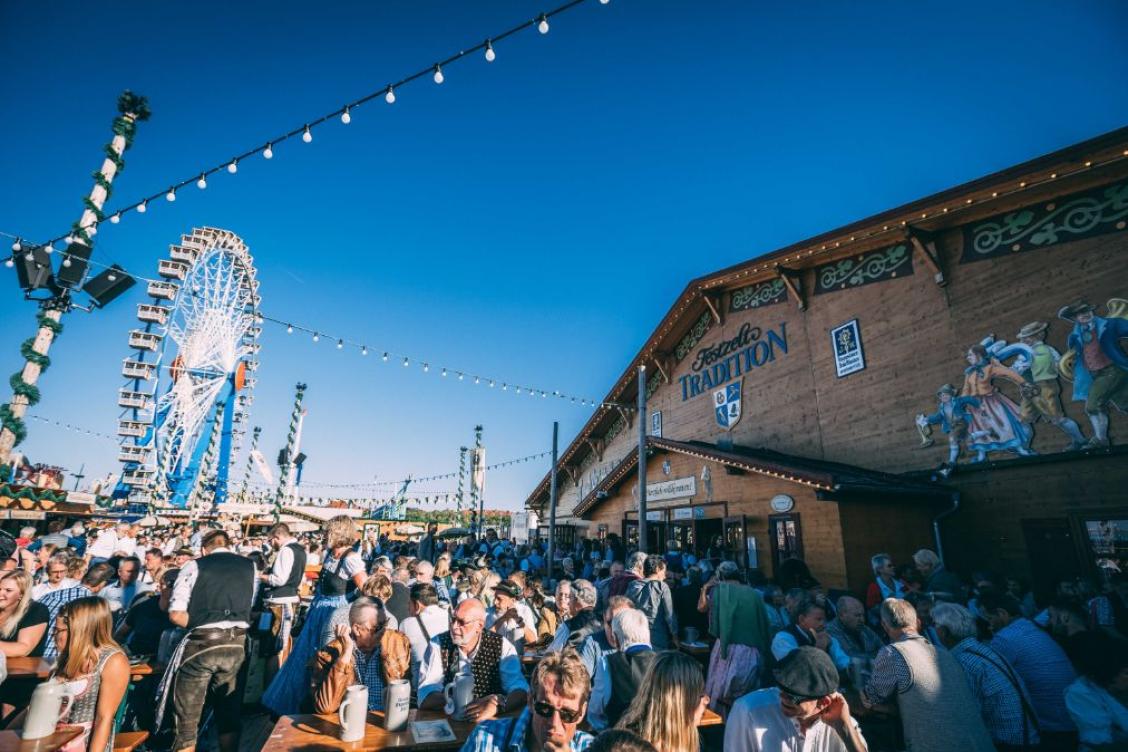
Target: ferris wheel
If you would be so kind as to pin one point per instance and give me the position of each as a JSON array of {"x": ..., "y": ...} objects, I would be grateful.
[{"x": 190, "y": 377}]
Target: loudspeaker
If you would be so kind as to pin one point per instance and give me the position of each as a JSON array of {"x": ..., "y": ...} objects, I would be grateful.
[
  {"x": 71, "y": 276},
  {"x": 102, "y": 289},
  {"x": 35, "y": 273},
  {"x": 300, "y": 459}
]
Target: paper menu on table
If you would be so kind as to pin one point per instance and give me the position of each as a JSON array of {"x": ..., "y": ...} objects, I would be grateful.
[{"x": 425, "y": 732}]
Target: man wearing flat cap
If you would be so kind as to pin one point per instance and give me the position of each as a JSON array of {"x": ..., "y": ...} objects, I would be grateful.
[
  {"x": 511, "y": 617},
  {"x": 1100, "y": 366},
  {"x": 1041, "y": 395},
  {"x": 805, "y": 712}
]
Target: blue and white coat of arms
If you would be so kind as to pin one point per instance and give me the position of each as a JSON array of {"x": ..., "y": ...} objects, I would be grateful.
[{"x": 726, "y": 404}]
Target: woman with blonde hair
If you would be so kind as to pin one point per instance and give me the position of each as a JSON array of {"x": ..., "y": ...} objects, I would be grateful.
[
  {"x": 377, "y": 587},
  {"x": 342, "y": 571},
  {"x": 669, "y": 705},
  {"x": 94, "y": 670},
  {"x": 23, "y": 632}
]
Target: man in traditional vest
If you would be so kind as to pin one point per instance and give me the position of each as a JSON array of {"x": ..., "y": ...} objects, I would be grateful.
[
  {"x": 212, "y": 599},
  {"x": 468, "y": 648},
  {"x": 937, "y": 708},
  {"x": 282, "y": 581}
]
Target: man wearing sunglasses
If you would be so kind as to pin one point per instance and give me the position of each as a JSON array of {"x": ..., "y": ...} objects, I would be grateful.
[
  {"x": 804, "y": 714},
  {"x": 557, "y": 705}
]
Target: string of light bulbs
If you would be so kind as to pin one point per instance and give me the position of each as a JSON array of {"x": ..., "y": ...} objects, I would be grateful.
[
  {"x": 344, "y": 113},
  {"x": 386, "y": 355},
  {"x": 74, "y": 428}
]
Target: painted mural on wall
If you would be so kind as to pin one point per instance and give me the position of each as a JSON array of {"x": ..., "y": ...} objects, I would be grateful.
[{"x": 980, "y": 417}]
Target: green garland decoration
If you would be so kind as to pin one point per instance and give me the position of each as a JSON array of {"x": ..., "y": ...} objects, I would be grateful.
[
  {"x": 12, "y": 491},
  {"x": 113, "y": 156},
  {"x": 100, "y": 179},
  {"x": 47, "y": 322},
  {"x": 27, "y": 350},
  {"x": 21, "y": 388},
  {"x": 93, "y": 208},
  {"x": 13, "y": 424}
]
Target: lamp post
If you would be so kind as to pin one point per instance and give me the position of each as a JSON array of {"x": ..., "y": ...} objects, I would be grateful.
[{"x": 132, "y": 108}]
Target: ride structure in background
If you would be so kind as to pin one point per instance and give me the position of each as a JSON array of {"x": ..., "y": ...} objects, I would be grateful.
[{"x": 189, "y": 380}]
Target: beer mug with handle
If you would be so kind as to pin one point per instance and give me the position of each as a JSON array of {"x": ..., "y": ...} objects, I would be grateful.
[
  {"x": 459, "y": 693},
  {"x": 353, "y": 713}
]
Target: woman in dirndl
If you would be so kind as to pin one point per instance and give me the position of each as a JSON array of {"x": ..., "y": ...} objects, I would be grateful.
[{"x": 342, "y": 571}]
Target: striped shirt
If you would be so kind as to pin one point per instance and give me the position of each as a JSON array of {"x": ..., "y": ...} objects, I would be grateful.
[
  {"x": 1044, "y": 669},
  {"x": 54, "y": 601},
  {"x": 508, "y": 735},
  {"x": 999, "y": 691}
]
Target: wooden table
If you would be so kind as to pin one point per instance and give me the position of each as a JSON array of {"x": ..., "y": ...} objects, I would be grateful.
[
  {"x": 38, "y": 668},
  {"x": 313, "y": 733},
  {"x": 10, "y": 741}
]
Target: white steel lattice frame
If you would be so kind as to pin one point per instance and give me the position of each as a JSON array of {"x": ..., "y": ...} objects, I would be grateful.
[{"x": 211, "y": 327}]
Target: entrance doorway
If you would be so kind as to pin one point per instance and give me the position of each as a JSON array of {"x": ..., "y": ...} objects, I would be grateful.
[
  {"x": 1052, "y": 552},
  {"x": 787, "y": 538}
]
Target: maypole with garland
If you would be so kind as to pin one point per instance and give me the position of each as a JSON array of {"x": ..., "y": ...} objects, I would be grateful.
[
  {"x": 293, "y": 437},
  {"x": 24, "y": 383}
]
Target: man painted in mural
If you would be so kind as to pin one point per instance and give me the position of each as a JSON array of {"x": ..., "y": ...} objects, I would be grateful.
[
  {"x": 1099, "y": 365},
  {"x": 952, "y": 416},
  {"x": 995, "y": 423},
  {"x": 1041, "y": 394}
]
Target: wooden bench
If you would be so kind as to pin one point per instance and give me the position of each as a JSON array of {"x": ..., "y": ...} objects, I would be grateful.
[{"x": 129, "y": 740}]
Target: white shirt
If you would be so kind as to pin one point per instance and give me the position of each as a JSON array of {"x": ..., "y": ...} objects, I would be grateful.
[
  {"x": 105, "y": 545},
  {"x": 43, "y": 588},
  {"x": 510, "y": 630},
  {"x": 1099, "y": 717},
  {"x": 280, "y": 572},
  {"x": 431, "y": 669},
  {"x": 437, "y": 622},
  {"x": 756, "y": 724},
  {"x": 127, "y": 546},
  {"x": 784, "y": 642},
  {"x": 186, "y": 580}
]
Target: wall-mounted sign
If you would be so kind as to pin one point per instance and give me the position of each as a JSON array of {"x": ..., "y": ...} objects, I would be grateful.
[
  {"x": 847, "y": 343},
  {"x": 726, "y": 405},
  {"x": 721, "y": 362},
  {"x": 675, "y": 488},
  {"x": 782, "y": 503},
  {"x": 654, "y": 516},
  {"x": 656, "y": 423},
  {"x": 683, "y": 513}
]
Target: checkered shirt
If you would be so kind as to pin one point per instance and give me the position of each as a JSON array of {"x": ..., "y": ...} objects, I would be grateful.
[
  {"x": 490, "y": 736},
  {"x": 369, "y": 673},
  {"x": 997, "y": 687},
  {"x": 54, "y": 601}
]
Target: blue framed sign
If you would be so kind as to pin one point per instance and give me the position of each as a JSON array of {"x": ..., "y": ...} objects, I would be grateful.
[{"x": 846, "y": 340}]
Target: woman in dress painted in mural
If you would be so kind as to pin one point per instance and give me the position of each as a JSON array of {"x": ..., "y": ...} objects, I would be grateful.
[{"x": 995, "y": 422}]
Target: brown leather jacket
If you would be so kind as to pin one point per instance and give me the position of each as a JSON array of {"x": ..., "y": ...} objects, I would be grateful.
[{"x": 331, "y": 677}]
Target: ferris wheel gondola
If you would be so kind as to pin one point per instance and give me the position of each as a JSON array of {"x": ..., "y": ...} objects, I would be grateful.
[{"x": 190, "y": 377}]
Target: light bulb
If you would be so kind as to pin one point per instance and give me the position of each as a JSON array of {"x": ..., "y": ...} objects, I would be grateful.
[
  {"x": 426, "y": 368},
  {"x": 307, "y": 136},
  {"x": 289, "y": 329},
  {"x": 390, "y": 97},
  {"x": 604, "y": 2},
  {"x": 364, "y": 351},
  {"x": 490, "y": 54},
  {"x": 9, "y": 263},
  {"x": 29, "y": 256},
  {"x": 67, "y": 261},
  {"x": 405, "y": 362},
  {"x": 16, "y": 246},
  {"x": 141, "y": 207},
  {"x": 346, "y": 118},
  {"x": 542, "y": 25},
  {"x": 444, "y": 372},
  {"x": 233, "y": 167},
  {"x": 438, "y": 74},
  {"x": 202, "y": 183},
  {"x": 491, "y": 383},
  {"x": 171, "y": 195},
  {"x": 460, "y": 377},
  {"x": 268, "y": 152},
  {"x": 385, "y": 357},
  {"x": 112, "y": 277},
  {"x": 49, "y": 248},
  {"x": 316, "y": 337},
  {"x": 115, "y": 218},
  {"x": 340, "y": 344}
]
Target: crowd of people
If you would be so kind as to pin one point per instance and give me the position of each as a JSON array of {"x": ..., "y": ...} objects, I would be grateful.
[{"x": 600, "y": 648}]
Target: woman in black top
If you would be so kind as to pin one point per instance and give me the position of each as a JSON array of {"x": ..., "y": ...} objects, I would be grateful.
[{"x": 23, "y": 632}]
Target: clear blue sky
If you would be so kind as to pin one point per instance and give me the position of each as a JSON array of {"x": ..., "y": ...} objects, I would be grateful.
[{"x": 530, "y": 219}]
